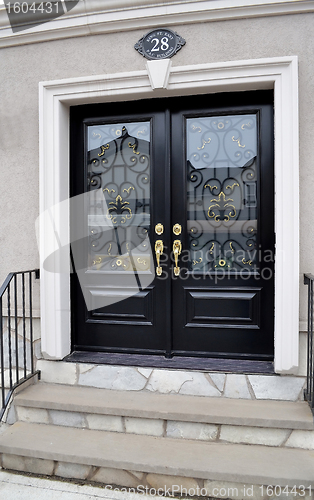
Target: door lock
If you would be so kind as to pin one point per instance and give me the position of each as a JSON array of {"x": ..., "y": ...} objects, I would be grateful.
[
  {"x": 159, "y": 229},
  {"x": 177, "y": 229}
]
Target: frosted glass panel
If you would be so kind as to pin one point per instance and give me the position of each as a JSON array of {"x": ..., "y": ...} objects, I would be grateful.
[
  {"x": 222, "y": 192},
  {"x": 221, "y": 141},
  {"x": 118, "y": 167}
]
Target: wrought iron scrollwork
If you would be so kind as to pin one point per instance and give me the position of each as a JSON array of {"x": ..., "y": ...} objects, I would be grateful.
[
  {"x": 120, "y": 167},
  {"x": 222, "y": 192}
]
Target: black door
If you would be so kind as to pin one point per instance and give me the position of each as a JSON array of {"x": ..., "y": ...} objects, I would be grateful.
[{"x": 187, "y": 182}]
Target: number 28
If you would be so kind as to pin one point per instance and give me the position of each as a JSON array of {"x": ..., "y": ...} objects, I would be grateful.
[{"x": 164, "y": 44}]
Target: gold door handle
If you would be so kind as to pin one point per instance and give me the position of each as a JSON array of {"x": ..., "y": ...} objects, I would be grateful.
[
  {"x": 159, "y": 248},
  {"x": 177, "y": 247}
]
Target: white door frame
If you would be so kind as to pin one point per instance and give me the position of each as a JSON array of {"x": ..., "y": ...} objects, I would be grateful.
[{"x": 162, "y": 80}]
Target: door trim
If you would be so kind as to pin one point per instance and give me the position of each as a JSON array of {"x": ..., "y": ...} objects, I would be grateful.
[{"x": 55, "y": 97}]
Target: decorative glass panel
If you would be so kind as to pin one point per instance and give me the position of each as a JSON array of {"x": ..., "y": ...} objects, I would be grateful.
[
  {"x": 222, "y": 192},
  {"x": 119, "y": 213}
]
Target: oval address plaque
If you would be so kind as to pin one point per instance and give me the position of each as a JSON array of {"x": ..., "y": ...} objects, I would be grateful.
[{"x": 160, "y": 43}]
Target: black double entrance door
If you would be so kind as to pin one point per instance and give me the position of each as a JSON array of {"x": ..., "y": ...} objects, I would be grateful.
[{"x": 177, "y": 256}]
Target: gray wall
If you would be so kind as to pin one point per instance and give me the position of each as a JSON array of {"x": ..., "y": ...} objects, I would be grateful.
[{"x": 22, "y": 67}]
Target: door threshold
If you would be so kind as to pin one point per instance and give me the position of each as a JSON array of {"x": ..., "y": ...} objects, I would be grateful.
[{"x": 177, "y": 363}]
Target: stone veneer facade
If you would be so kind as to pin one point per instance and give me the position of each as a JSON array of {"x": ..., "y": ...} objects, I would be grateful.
[{"x": 141, "y": 482}]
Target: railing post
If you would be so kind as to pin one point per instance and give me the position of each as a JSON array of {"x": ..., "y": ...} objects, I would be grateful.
[
  {"x": 9, "y": 336},
  {"x": 311, "y": 388},
  {"x": 309, "y": 391},
  {"x": 31, "y": 319},
  {"x": 24, "y": 323},
  {"x": 16, "y": 330},
  {"x": 2, "y": 354}
]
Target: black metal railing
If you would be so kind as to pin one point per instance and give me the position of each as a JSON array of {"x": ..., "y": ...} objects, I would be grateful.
[
  {"x": 16, "y": 333},
  {"x": 309, "y": 390}
]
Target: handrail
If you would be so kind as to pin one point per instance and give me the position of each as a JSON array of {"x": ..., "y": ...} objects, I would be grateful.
[
  {"x": 10, "y": 277},
  {"x": 11, "y": 362},
  {"x": 309, "y": 390}
]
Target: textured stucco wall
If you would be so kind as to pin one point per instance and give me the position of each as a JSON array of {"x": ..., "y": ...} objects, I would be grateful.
[{"x": 22, "y": 67}]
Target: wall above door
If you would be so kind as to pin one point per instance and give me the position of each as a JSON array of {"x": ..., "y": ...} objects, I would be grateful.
[{"x": 92, "y": 18}]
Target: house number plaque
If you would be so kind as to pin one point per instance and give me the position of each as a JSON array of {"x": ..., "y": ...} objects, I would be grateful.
[{"x": 160, "y": 43}]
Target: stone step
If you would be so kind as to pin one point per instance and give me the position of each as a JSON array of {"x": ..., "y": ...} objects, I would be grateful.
[
  {"x": 129, "y": 460},
  {"x": 268, "y": 423},
  {"x": 255, "y": 413}
]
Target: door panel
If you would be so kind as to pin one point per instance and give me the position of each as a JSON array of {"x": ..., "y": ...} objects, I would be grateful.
[
  {"x": 206, "y": 165},
  {"x": 134, "y": 310},
  {"x": 114, "y": 290},
  {"x": 223, "y": 307},
  {"x": 225, "y": 282}
]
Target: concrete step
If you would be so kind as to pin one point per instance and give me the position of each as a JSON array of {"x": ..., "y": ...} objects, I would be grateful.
[
  {"x": 256, "y": 413},
  {"x": 269, "y": 423},
  {"x": 129, "y": 460}
]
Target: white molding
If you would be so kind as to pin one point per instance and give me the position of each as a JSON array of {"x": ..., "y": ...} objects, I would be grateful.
[
  {"x": 278, "y": 73},
  {"x": 95, "y": 17},
  {"x": 159, "y": 72}
]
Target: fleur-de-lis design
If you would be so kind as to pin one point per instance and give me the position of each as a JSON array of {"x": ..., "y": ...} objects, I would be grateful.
[
  {"x": 119, "y": 207},
  {"x": 218, "y": 209}
]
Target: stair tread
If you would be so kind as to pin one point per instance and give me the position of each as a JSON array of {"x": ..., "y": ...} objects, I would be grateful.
[
  {"x": 258, "y": 413},
  {"x": 239, "y": 463}
]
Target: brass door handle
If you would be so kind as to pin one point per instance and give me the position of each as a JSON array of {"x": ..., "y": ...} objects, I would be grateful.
[
  {"x": 159, "y": 248},
  {"x": 177, "y": 248}
]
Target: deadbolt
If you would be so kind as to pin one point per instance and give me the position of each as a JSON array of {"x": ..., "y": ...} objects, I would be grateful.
[
  {"x": 159, "y": 228},
  {"x": 177, "y": 229}
]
